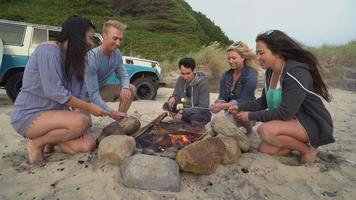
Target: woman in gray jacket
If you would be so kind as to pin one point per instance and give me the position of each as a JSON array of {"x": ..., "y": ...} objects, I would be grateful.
[{"x": 291, "y": 103}]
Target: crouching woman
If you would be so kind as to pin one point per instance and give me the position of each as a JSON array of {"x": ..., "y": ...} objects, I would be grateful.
[
  {"x": 291, "y": 106},
  {"x": 51, "y": 88}
]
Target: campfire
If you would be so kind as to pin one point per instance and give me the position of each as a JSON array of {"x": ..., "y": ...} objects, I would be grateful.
[{"x": 160, "y": 135}]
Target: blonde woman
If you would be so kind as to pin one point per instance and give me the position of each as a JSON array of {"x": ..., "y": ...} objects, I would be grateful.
[{"x": 238, "y": 84}]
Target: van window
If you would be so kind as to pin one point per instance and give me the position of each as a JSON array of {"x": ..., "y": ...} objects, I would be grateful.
[
  {"x": 97, "y": 42},
  {"x": 12, "y": 34},
  {"x": 53, "y": 35},
  {"x": 39, "y": 36}
]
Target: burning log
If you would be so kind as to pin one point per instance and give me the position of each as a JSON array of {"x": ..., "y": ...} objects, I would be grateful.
[
  {"x": 179, "y": 133},
  {"x": 150, "y": 125},
  {"x": 180, "y": 128},
  {"x": 160, "y": 135}
]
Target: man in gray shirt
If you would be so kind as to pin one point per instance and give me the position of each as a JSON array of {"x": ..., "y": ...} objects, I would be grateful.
[
  {"x": 101, "y": 63},
  {"x": 192, "y": 92}
]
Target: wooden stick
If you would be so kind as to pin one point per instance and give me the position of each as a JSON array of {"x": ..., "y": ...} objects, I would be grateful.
[{"x": 150, "y": 125}]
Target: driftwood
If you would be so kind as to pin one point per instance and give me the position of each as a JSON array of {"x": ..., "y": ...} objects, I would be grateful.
[
  {"x": 150, "y": 125},
  {"x": 195, "y": 132},
  {"x": 180, "y": 128},
  {"x": 161, "y": 131}
]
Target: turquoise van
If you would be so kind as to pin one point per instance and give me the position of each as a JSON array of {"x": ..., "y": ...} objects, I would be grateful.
[{"x": 18, "y": 40}]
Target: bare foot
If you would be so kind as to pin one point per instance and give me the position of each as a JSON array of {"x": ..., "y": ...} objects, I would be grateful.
[
  {"x": 49, "y": 148},
  {"x": 309, "y": 156},
  {"x": 35, "y": 153}
]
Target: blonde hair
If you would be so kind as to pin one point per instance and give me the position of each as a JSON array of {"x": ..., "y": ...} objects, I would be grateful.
[
  {"x": 113, "y": 23},
  {"x": 246, "y": 53}
]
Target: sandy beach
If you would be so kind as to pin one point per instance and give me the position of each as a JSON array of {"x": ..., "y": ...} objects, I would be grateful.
[{"x": 256, "y": 176}]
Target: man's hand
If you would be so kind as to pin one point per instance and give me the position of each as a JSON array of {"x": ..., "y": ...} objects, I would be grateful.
[
  {"x": 116, "y": 115},
  {"x": 97, "y": 110},
  {"x": 178, "y": 116},
  {"x": 171, "y": 101},
  {"x": 125, "y": 94}
]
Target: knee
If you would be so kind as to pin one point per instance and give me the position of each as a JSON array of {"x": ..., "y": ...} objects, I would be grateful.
[
  {"x": 265, "y": 130},
  {"x": 260, "y": 129},
  {"x": 80, "y": 124},
  {"x": 133, "y": 90}
]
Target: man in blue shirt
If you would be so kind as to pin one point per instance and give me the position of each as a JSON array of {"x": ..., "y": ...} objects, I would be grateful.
[{"x": 101, "y": 63}]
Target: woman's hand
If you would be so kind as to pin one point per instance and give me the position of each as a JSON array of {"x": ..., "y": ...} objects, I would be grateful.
[
  {"x": 216, "y": 107},
  {"x": 233, "y": 109},
  {"x": 97, "y": 110},
  {"x": 242, "y": 116}
]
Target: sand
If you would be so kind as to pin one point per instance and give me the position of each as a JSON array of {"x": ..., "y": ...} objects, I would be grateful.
[{"x": 256, "y": 176}]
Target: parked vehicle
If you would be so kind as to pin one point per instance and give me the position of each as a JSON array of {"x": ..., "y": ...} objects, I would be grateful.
[{"x": 18, "y": 40}]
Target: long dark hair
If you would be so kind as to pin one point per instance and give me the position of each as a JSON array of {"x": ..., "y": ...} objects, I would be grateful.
[
  {"x": 281, "y": 44},
  {"x": 74, "y": 31}
]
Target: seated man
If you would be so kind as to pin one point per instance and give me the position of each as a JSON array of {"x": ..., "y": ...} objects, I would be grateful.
[
  {"x": 101, "y": 63},
  {"x": 191, "y": 94}
]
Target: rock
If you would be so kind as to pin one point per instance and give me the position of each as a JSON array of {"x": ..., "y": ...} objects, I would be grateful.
[
  {"x": 202, "y": 157},
  {"x": 115, "y": 148},
  {"x": 233, "y": 152},
  {"x": 130, "y": 125},
  {"x": 222, "y": 125},
  {"x": 150, "y": 173},
  {"x": 127, "y": 126}
]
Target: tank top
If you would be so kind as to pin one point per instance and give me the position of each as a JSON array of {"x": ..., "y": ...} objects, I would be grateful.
[{"x": 274, "y": 96}]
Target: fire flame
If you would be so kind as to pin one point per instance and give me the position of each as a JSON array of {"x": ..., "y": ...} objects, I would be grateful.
[{"x": 181, "y": 139}]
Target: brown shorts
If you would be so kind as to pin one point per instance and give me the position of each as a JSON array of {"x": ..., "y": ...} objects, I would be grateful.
[{"x": 110, "y": 92}]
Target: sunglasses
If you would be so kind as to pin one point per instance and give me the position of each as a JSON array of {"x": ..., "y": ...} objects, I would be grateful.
[
  {"x": 91, "y": 23},
  {"x": 237, "y": 44},
  {"x": 268, "y": 33}
]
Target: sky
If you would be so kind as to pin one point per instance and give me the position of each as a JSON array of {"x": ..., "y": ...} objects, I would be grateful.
[{"x": 311, "y": 22}]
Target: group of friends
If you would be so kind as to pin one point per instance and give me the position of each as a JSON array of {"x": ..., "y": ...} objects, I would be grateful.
[{"x": 64, "y": 82}]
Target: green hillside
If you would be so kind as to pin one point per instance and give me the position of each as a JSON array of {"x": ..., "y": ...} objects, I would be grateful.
[{"x": 157, "y": 29}]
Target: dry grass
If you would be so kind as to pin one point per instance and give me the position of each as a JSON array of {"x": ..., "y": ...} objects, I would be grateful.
[{"x": 210, "y": 59}]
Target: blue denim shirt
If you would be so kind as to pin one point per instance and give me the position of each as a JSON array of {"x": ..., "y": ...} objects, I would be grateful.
[
  {"x": 244, "y": 89},
  {"x": 99, "y": 68}
]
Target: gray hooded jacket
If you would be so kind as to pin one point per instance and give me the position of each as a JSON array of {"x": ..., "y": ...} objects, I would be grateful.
[
  {"x": 196, "y": 94},
  {"x": 299, "y": 101}
]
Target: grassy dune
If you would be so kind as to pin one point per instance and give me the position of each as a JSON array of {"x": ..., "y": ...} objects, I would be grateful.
[{"x": 338, "y": 64}]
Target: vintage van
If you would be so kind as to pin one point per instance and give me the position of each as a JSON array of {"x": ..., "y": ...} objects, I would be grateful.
[{"x": 18, "y": 40}]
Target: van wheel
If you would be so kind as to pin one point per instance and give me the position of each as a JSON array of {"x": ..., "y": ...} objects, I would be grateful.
[
  {"x": 13, "y": 85},
  {"x": 145, "y": 89}
]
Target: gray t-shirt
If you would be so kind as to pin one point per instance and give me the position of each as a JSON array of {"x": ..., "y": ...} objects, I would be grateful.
[
  {"x": 99, "y": 68},
  {"x": 43, "y": 86}
]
